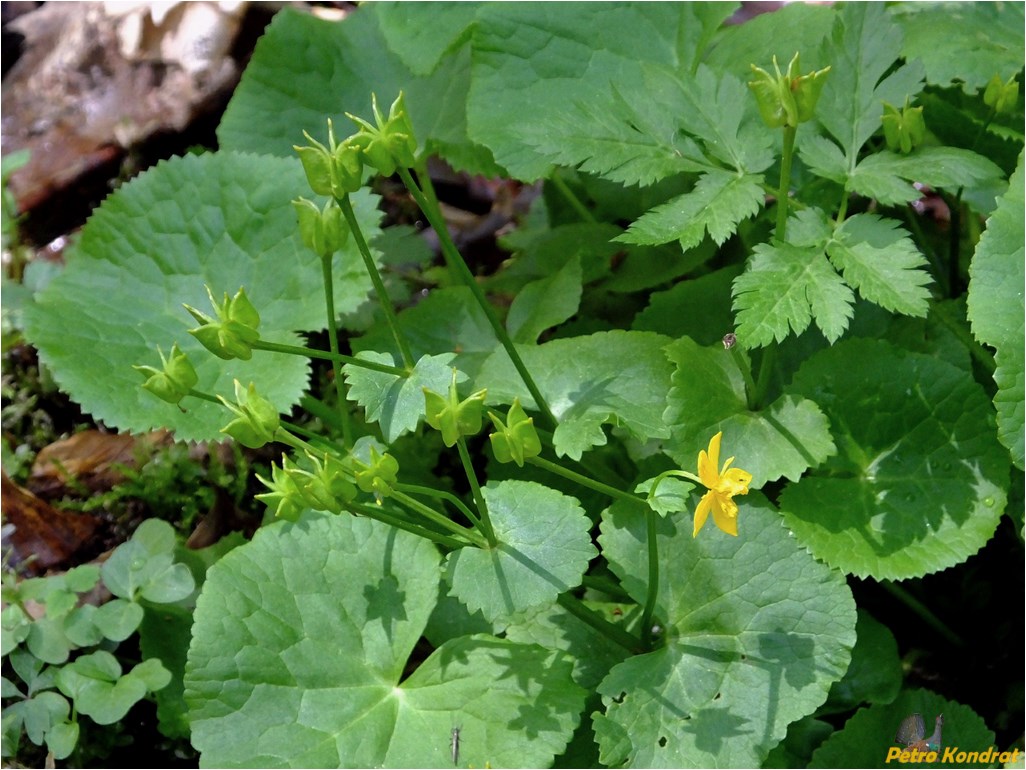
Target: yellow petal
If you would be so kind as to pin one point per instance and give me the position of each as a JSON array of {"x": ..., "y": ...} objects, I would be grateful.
[
  {"x": 726, "y": 517},
  {"x": 708, "y": 464},
  {"x": 735, "y": 482},
  {"x": 702, "y": 511}
]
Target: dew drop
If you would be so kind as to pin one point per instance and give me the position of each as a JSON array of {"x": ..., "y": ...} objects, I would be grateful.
[
  {"x": 910, "y": 498},
  {"x": 989, "y": 502},
  {"x": 138, "y": 564}
]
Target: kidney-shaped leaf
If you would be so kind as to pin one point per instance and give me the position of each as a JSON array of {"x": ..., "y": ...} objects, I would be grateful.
[
  {"x": 222, "y": 219},
  {"x": 757, "y": 630},
  {"x": 544, "y": 548},
  {"x": 920, "y": 480},
  {"x": 301, "y": 638}
]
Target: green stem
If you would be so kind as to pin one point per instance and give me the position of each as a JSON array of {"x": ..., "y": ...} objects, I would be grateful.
[
  {"x": 379, "y": 285},
  {"x": 575, "y": 203},
  {"x": 606, "y": 586},
  {"x": 443, "y": 521},
  {"x": 428, "y": 203},
  {"x": 336, "y": 367},
  {"x": 923, "y": 612},
  {"x": 441, "y": 494},
  {"x": 784, "y": 190},
  {"x": 652, "y": 592},
  {"x": 276, "y": 347},
  {"x": 598, "y": 486},
  {"x": 315, "y": 438},
  {"x": 745, "y": 367},
  {"x": 373, "y": 512},
  {"x": 577, "y": 608},
  {"x": 766, "y": 365},
  {"x": 475, "y": 488}
]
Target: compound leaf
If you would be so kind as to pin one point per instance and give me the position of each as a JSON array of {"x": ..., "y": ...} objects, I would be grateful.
[
  {"x": 919, "y": 481},
  {"x": 889, "y": 177},
  {"x": 720, "y": 200},
  {"x": 789, "y": 286},
  {"x": 878, "y": 258}
]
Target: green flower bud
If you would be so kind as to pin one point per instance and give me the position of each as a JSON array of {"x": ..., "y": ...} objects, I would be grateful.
[
  {"x": 379, "y": 475},
  {"x": 516, "y": 439},
  {"x": 173, "y": 381},
  {"x": 1000, "y": 95},
  {"x": 334, "y": 170},
  {"x": 232, "y": 333},
  {"x": 391, "y": 142},
  {"x": 787, "y": 99},
  {"x": 326, "y": 488},
  {"x": 454, "y": 418},
  {"x": 904, "y": 129},
  {"x": 285, "y": 496},
  {"x": 256, "y": 419},
  {"x": 323, "y": 231}
]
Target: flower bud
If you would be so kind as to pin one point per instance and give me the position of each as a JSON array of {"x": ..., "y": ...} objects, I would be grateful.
[
  {"x": 323, "y": 231},
  {"x": 232, "y": 333},
  {"x": 285, "y": 496},
  {"x": 173, "y": 381},
  {"x": 787, "y": 100},
  {"x": 1001, "y": 96},
  {"x": 454, "y": 418},
  {"x": 256, "y": 418},
  {"x": 904, "y": 129},
  {"x": 379, "y": 475},
  {"x": 516, "y": 439},
  {"x": 391, "y": 142}
]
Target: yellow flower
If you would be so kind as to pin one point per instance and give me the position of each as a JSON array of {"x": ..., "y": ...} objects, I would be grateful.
[{"x": 722, "y": 486}]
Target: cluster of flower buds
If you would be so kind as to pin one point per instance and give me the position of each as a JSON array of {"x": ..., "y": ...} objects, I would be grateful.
[
  {"x": 1001, "y": 95},
  {"x": 377, "y": 477},
  {"x": 450, "y": 415},
  {"x": 256, "y": 419},
  {"x": 324, "y": 231},
  {"x": 173, "y": 381},
  {"x": 232, "y": 333},
  {"x": 514, "y": 440},
  {"x": 326, "y": 488},
  {"x": 337, "y": 169},
  {"x": 787, "y": 99},
  {"x": 904, "y": 129}
]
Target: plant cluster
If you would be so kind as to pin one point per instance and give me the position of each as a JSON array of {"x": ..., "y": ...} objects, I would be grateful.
[{"x": 725, "y": 260}]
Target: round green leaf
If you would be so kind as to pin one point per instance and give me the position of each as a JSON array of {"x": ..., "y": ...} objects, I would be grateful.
[
  {"x": 867, "y": 737},
  {"x": 118, "y": 619},
  {"x": 61, "y": 739},
  {"x": 80, "y": 626},
  {"x": 47, "y": 640},
  {"x": 708, "y": 396},
  {"x": 301, "y": 638},
  {"x": 919, "y": 483},
  {"x": 220, "y": 219},
  {"x": 875, "y": 673},
  {"x": 756, "y": 632},
  {"x": 544, "y": 548}
]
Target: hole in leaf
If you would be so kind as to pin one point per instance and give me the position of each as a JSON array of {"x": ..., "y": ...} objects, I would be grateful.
[{"x": 662, "y": 741}]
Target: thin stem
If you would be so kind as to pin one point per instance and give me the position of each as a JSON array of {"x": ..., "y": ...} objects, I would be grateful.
[
  {"x": 584, "y": 481},
  {"x": 575, "y": 203},
  {"x": 605, "y": 586},
  {"x": 653, "y": 577},
  {"x": 443, "y": 521},
  {"x": 379, "y": 285},
  {"x": 745, "y": 367},
  {"x": 441, "y": 494},
  {"x": 923, "y": 612},
  {"x": 475, "y": 488},
  {"x": 766, "y": 365},
  {"x": 579, "y": 610},
  {"x": 784, "y": 191},
  {"x": 277, "y": 347},
  {"x": 428, "y": 203},
  {"x": 374, "y": 512},
  {"x": 315, "y": 437},
  {"x": 329, "y": 302}
]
